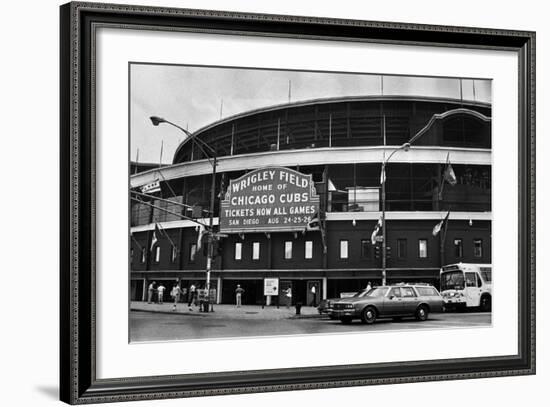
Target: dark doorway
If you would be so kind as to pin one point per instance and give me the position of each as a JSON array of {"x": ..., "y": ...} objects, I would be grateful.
[
  {"x": 253, "y": 291},
  {"x": 300, "y": 292},
  {"x": 136, "y": 290},
  {"x": 313, "y": 292}
]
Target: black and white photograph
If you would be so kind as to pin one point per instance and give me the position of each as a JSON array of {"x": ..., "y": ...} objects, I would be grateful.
[
  {"x": 275, "y": 203},
  {"x": 294, "y": 202},
  {"x": 269, "y": 202}
]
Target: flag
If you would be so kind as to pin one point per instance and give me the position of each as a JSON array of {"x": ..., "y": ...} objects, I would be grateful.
[
  {"x": 332, "y": 188},
  {"x": 155, "y": 239},
  {"x": 162, "y": 233},
  {"x": 323, "y": 237},
  {"x": 449, "y": 174},
  {"x": 222, "y": 187},
  {"x": 383, "y": 175},
  {"x": 314, "y": 223},
  {"x": 437, "y": 228},
  {"x": 202, "y": 231},
  {"x": 376, "y": 230}
]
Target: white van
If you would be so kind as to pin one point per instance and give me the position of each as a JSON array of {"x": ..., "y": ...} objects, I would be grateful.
[{"x": 466, "y": 285}]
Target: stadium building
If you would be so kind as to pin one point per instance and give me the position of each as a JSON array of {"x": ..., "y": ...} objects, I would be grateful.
[{"x": 337, "y": 145}]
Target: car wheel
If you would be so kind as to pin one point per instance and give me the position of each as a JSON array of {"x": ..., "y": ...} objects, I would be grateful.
[
  {"x": 422, "y": 313},
  {"x": 368, "y": 316},
  {"x": 345, "y": 320},
  {"x": 485, "y": 304}
]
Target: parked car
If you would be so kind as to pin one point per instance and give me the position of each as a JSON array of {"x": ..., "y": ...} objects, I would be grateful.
[
  {"x": 397, "y": 301},
  {"x": 325, "y": 306}
]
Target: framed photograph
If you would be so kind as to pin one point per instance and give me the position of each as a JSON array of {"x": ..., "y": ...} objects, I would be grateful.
[{"x": 255, "y": 203}]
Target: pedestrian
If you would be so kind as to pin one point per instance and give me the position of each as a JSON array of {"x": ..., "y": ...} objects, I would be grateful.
[
  {"x": 160, "y": 290},
  {"x": 150, "y": 292},
  {"x": 192, "y": 294},
  {"x": 176, "y": 293},
  {"x": 313, "y": 291},
  {"x": 288, "y": 294},
  {"x": 238, "y": 295},
  {"x": 369, "y": 286}
]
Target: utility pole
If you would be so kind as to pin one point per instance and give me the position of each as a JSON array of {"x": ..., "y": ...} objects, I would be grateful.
[
  {"x": 384, "y": 224},
  {"x": 211, "y": 156},
  {"x": 211, "y": 234}
]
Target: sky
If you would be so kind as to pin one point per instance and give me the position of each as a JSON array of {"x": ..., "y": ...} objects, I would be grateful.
[{"x": 194, "y": 96}]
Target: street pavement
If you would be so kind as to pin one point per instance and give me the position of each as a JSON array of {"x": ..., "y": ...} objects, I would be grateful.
[
  {"x": 224, "y": 311},
  {"x": 156, "y": 322}
]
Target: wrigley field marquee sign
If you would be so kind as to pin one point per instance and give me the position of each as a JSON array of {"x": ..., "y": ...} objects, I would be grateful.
[{"x": 273, "y": 199}]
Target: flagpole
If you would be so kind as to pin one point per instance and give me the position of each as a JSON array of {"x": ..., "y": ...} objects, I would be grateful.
[
  {"x": 161, "y": 147},
  {"x": 323, "y": 217},
  {"x": 384, "y": 209},
  {"x": 442, "y": 180},
  {"x": 167, "y": 184},
  {"x": 442, "y": 240},
  {"x": 289, "y": 90},
  {"x": 384, "y": 224},
  {"x": 137, "y": 161},
  {"x": 136, "y": 242},
  {"x": 141, "y": 194},
  {"x": 166, "y": 210},
  {"x": 163, "y": 231}
]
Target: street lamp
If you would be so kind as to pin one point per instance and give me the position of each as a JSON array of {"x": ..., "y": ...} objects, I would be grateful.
[
  {"x": 213, "y": 159},
  {"x": 405, "y": 147}
]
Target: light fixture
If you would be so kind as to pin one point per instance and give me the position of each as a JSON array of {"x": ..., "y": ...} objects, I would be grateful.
[
  {"x": 353, "y": 222},
  {"x": 470, "y": 222},
  {"x": 156, "y": 120}
]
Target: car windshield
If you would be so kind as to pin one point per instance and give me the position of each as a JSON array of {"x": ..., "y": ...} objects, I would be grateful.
[
  {"x": 453, "y": 280},
  {"x": 427, "y": 291},
  {"x": 376, "y": 292}
]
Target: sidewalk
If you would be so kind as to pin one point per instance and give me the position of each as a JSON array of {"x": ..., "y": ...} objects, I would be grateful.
[{"x": 224, "y": 311}]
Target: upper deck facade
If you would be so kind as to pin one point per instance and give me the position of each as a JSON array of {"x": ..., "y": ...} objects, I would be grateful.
[{"x": 346, "y": 122}]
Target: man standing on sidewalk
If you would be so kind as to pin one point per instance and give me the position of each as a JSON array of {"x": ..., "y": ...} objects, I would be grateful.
[
  {"x": 313, "y": 295},
  {"x": 176, "y": 293},
  {"x": 288, "y": 294},
  {"x": 192, "y": 294},
  {"x": 150, "y": 292},
  {"x": 160, "y": 290},
  {"x": 238, "y": 295}
]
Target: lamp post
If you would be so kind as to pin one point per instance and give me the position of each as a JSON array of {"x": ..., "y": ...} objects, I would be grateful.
[
  {"x": 212, "y": 158},
  {"x": 404, "y": 147}
]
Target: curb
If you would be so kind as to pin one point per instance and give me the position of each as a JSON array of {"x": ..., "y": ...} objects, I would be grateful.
[
  {"x": 205, "y": 315},
  {"x": 169, "y": 312},
  {"x": 306, "y": 316}
]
